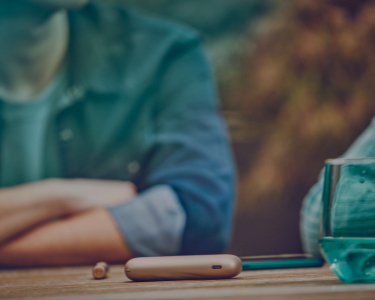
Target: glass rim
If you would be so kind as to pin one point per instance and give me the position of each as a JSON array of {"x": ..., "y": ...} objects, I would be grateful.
[{"x": 344, "y": 161}]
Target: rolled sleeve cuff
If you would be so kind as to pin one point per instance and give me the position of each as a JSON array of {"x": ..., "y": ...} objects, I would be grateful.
[{"x": 153, "y": 223}]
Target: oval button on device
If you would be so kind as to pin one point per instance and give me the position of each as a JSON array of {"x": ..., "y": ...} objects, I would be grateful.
[{"x": 220, "y": 266}]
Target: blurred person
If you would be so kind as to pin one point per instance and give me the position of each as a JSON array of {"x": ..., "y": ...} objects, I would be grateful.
[{"x": 111, "y": 141}]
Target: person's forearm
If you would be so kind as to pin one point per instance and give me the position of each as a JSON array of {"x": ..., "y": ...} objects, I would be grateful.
[
  {"x": 85, "y": 238},
  {"x": 27, "y": 217},
  {"x": 24, "y": 196},
  {"x": 25, "y": 206}
]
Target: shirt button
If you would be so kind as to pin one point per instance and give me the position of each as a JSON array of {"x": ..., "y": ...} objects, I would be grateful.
[
  {"x": 66, "y": 135},
  {"x": 133, "y": 167},
  {"x": 77, "y": 91}
]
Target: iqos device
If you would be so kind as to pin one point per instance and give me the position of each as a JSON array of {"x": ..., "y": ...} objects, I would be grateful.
[{"x": 220, "y": 266}]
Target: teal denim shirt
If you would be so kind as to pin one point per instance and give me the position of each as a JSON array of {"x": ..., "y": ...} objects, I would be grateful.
[{"x": 142, "y": 107}]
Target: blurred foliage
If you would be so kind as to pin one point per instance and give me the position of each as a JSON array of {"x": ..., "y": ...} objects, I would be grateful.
[
  {"x": 309, "y": 88},
  {"x": 309, "y": 85}
]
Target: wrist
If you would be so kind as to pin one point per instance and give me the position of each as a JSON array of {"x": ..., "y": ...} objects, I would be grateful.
[{"x": 57, "y": 194}]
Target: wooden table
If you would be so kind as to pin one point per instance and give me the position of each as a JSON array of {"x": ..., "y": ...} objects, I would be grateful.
[{"x": 77, "y": 283}]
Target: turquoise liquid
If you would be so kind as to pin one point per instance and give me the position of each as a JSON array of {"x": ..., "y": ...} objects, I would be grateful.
[{"x": 352, "y": 259}]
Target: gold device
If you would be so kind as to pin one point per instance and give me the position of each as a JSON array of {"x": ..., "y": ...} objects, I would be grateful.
[{"x": 220, "y": 266}]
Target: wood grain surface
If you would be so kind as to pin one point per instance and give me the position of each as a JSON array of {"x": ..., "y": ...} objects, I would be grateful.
[{"x": 78, "y": 283}]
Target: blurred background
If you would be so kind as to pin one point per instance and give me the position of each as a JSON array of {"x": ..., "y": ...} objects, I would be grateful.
[{"x": 296, "y": 85}]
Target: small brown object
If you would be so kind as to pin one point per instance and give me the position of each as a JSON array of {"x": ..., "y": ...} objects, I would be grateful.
[{"x": 100, "y": 270}]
